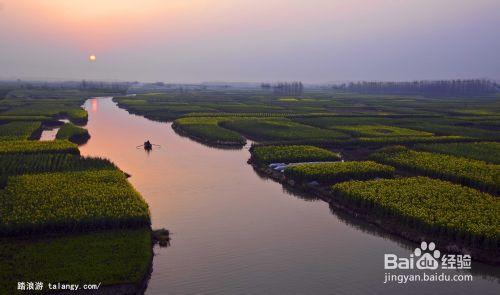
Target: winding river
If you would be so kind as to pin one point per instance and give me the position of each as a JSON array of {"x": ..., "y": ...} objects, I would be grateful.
[{"x": 235, "y": 232}]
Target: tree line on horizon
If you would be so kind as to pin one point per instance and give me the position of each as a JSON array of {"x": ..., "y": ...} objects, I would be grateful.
[
  {"x": 437, "y": 87},
  {"x": 295, "y": 88}
]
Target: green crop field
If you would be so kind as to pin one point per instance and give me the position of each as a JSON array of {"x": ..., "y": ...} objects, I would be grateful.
[
  {"x": 281, "y": 129},
  {"x": 430, "y": 205},
  {"x": 9, "y": 118},
  {"x": 473, "y": 127},
  {"x": 49, "y": 194},
  {"x": 469, "y": 172},
  {"x": 406, "y": 140},
  {"x": 32, "y": 146},
  {"x": 36, "y": 103},
  {"x": 330, "y": 172},
  {"x": 108, "y": 257},
  {"x": 68, "y": 201},
  {"x": 380, "y": 130},
  {"x": 18, "y": 130},
  {"x": 75, "y": 114},
  {"x": 207, "y": 129},
  {"x": 483, "y": 151},
  {"x": 291, "y": 154},
  {"x": 15, "y": 164},
  {"x": 322, "y": 116},
  {"x": 439, "y": 128},
  {"x": 220, "y": 130},
  {"x": 79, "y": 219},
  {"x": 332, "y": 121}
]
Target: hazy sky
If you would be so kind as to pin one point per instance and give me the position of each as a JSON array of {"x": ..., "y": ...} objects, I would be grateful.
[{"x": 250, "y": 40}]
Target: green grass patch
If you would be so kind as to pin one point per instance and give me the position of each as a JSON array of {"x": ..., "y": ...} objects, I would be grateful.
[
  {"x": 431, "y": 205},
  {"x": 291, "y": 154},
  {"x": 469, "y": 172},
  {"x": 69, "y": 201},
  {"x": 110, "y": 257},
  {"x": 338, "y": 171},
  {"x": 33, "y": 146}
]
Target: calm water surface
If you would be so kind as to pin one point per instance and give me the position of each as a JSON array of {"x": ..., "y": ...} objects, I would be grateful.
[
  {"x": 237, "y": 233},
  {"x": 49, "y": 134}
]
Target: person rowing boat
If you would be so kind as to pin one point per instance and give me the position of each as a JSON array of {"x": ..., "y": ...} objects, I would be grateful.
[{"x": 148, "y": 145}]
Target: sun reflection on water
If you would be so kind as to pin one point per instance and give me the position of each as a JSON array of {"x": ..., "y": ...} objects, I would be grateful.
[{"x": 95, "y": 105}]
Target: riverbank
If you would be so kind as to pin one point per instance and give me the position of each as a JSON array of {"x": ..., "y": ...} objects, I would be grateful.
[{"x": 390, "y": 225}]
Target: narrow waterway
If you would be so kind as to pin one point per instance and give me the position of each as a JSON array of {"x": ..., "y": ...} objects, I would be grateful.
[
  {"x": 50, "y": 133},
  {"x": 237, "y": 233}
]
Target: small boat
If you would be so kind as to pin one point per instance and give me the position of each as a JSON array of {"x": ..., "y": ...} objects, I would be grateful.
[{"x": 148, "y": 146}]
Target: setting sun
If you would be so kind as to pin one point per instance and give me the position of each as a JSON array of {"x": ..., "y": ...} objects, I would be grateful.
[{"x": 92, "y": 57}]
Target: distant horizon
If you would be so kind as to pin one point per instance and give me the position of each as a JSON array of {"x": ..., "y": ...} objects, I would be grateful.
[{"x": 55, "y": 80}]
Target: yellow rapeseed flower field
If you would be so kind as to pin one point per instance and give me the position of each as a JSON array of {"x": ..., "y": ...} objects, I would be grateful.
[{"x": 70, "y": 201}]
